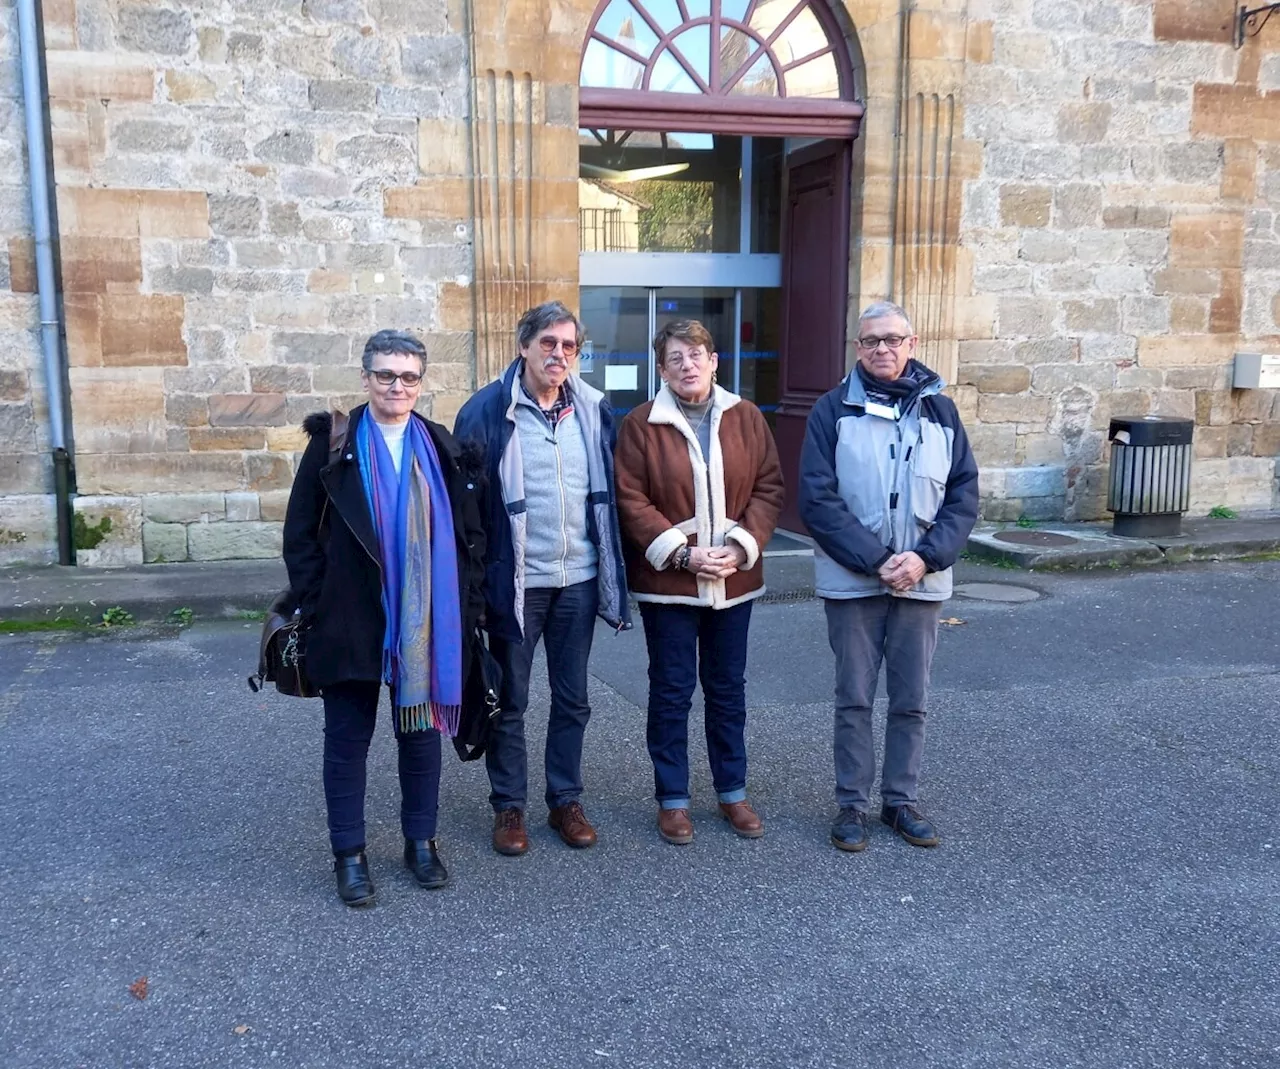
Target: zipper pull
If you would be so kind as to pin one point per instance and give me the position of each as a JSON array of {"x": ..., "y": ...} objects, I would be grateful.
[{"x": 893, "y": 500}]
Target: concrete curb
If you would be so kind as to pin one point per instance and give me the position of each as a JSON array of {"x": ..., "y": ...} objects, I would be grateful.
[{"x": 1089, "y": 546}]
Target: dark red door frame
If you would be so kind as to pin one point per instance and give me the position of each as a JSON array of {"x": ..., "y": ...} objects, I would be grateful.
[{"x": 813, "y": 344}]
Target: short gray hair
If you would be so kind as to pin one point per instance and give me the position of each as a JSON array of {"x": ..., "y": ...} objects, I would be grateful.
[
  {"x": 399, "y": 342},
  {"x": 547, "y": 314},
  {"x": 882, "y": 309}
]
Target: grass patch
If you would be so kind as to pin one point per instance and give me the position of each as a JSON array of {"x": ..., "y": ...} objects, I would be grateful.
[
  {"x": 1272, "y": 555},
  {"x": 27, "y": 627},
  {"x": 250, "y": 614},
  {"x": 1221, "y": 512},
  {"x": 182, "y": 617},
  {"x": 88, "y": 535},
  {"x": 1026, "y": 522},
  {"x": 117, "y": 617}
]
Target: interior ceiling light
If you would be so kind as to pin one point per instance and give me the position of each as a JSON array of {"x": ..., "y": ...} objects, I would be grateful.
[{"x": 635, "y": 174}]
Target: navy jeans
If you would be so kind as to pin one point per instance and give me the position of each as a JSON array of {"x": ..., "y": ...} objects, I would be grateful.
[
  {"x": 688, "y": 644},
  {"x": 565, "y": 618},
  {"x": 350, "y": 713}
]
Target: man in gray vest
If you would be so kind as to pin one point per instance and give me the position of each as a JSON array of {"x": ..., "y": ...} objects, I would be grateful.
[{"x": 554, "y": 559}]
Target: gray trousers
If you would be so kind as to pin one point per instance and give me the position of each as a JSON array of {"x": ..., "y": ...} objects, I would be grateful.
[{"x": 902, "y": 632}]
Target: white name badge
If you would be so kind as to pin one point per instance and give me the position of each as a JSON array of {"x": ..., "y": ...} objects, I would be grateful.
[{"x": 883, "y": 411}]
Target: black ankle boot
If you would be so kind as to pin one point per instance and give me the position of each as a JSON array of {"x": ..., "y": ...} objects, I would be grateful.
[
  {"x": 424, "y": 862},
  {"x": 354, "y": 886}
]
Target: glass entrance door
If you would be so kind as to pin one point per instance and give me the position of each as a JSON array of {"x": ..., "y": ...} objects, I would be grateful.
[{"x": 621, "y": 321}]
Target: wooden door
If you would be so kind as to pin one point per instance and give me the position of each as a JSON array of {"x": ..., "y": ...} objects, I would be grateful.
[{"x": 815, "y": 297}]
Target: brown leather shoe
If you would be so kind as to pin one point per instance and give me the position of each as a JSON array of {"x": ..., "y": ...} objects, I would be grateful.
[
  {"x": 742, "y": 818},
  {"x": 509, "y": 836},
  {"x": 675, "y": 826},
  {"x": 572, "y": 824}
]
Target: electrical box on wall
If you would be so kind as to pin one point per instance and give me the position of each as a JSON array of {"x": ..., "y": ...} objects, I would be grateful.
[{"x": 1255, "y": 371}]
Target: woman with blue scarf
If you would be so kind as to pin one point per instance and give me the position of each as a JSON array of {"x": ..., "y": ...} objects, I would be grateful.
[{"x": 385, "y": 553}]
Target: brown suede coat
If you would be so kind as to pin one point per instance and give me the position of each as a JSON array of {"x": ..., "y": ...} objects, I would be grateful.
[{"x": 669, "y": 496}]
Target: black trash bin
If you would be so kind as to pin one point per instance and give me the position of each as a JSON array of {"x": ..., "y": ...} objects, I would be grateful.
[{"x": 1150, "y": 486}]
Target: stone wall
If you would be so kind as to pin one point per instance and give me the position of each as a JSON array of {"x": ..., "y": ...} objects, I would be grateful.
[
  {"x": 1124, "y": 246},
  {"x": 27, "y": 529},
  {"x": 247, "y": 190},
  {"x": 234, "y": 226}
]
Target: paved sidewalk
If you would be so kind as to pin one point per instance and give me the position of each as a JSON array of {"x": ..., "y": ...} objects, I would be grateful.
[
  {"x": 1092, "y": 545},
  {"x": 232, "y": 588}
]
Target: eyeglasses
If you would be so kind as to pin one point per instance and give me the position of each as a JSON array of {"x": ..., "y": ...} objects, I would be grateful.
[
  {"x": 697, "y": 357},
  {"x": 549, "y": 344},
  {"x": 386, "y": 378},
  {"x": 893, "y": 341}
]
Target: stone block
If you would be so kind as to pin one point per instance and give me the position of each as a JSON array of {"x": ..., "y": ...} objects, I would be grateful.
[
  {"x": 1084, "y": 123},
  {"x": 150, "y": 137},
  {"x": 1186, "y": 281},
  {"x": 28, "y": 529},
  {"x": 1132, "y": 216},
  {"x": 273, "y": 504},
  {"x": 244, "y": 48},
  {"x": 242, "y": 507},
  {"x": 164, "y": 542},
  {"x": 188, "y": 280},
  {"x": 1025, "y": 206},
  {"x": 360, "y": 56},
  {"x": 1240, "y": 440},
  {"x": 108, "y": 531},
  {"x": 142, "y": 331},
  {"x": 342, "y": 95},
  {"x": 247, "y": 410},
  {"x": 415, "y": 102},
  {"x": 995, "y": 378},
  {"x": 444, "y": 147},
  {"x": 184, "y": 87},
  {"x": 1191, "y": 20},
  {"x": 234, "y": 541},
  {"x": 206, "y": 380},
  {"x": 379, "y": 154},
  {"x": 994, "y": 446},
  {"x": 1054, "y": 379},
  {"x": 1077, "y": 204},
  {"x": 94, "y": 264},
  {"x": 1093, "y": 316},
  {"x": 118, "y": 410},
  {"x": 90, "y": 76},
  {"x": 183, "y": 508},
  {"x": 1266, "y": 440},
  {"x": 1191, "y": 350},
  {"x": 441, "y": 197},
  {"x": 186, "y": 409},
  {"x": 293, "y": 347},
  {"x": 295, "y": 147},
  {"x": 269, "y": 471},
  {"x": 146, "y": 473},
  {"x": 1208, "y": 240},
  {"x": 286, "y": 440},
  {"x": 1044, "y": 246},
  {"x": 235, "y": 215},
  {"x": 1210, "y": 442},
  {"x": 173, "y": 213},
  {"x": 1122, "y": 280},
  {"x": 323, "y": 280},
  {"x": 1107, "y": 348},
  {"x": 1041, "y": 481},
  {"x": 17, "y": 428},
  {"x": 1146, "y": 315},
  {"x": 360, "y": 256},
  {"x": 239, "y": 439},
  {"x": 275, "y": 378},
  {"x": 1025, "y": 316},
  {"x": 369, "y": 283},
  {"x": 145, "y": 28},
  {"x": 1022, "y": 408},
  {"x": 434, "y": 60}
]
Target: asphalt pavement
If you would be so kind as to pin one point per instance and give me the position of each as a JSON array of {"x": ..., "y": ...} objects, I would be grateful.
[{"x": 1102, "y": 763}]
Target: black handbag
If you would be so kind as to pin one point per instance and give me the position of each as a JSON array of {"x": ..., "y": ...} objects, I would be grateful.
[
  {"x": 480, "y": 692},
  {"x": 282, "y": 653}
]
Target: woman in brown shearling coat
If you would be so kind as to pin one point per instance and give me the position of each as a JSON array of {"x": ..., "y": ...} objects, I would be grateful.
[{"x": 699, "y": 492}]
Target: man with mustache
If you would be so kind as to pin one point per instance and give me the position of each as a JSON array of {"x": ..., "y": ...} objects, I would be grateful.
[{"x": 554, "y": 560}]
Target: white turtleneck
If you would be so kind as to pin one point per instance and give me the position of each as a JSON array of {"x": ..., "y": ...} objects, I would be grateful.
[{"x": 393, "y": 435}]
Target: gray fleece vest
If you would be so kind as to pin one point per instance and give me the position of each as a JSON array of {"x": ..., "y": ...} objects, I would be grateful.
[{"x": 558, "y": 551}]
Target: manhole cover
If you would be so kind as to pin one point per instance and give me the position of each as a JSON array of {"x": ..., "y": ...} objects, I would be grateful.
[
  {"x": 1036, "y": 538},
  {"x": 997, "y": 592}
]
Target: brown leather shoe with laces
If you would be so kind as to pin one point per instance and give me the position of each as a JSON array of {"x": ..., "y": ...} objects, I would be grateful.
[
  {"x": 509, "y": 836},
  {"x": 742, "y": 819},
  {"x": 675, "y": 826},
  {"x": 572, "y": 824}
]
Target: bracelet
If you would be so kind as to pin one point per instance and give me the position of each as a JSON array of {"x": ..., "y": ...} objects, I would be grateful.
[{"x": 682, "y": 558}]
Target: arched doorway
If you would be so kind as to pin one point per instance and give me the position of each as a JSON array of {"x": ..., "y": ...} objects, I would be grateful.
[{"x": 714, "y": 184}]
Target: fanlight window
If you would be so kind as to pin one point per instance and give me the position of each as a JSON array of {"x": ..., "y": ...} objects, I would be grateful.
[{"x": 762, "y": 48}]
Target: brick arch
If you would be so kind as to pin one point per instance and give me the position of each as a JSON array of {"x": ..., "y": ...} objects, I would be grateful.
[{"x": 656, "y": 65}]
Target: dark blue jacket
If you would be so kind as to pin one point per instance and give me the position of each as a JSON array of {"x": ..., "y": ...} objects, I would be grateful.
[
  {"x": 872, "y": 486},
  {"x": 487, "y": 420}
]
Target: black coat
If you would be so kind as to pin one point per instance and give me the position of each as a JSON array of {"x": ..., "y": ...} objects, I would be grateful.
[{"x": 332, "y": 554}]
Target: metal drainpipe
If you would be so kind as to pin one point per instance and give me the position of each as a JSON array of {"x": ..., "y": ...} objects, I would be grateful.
[{"x": 36, "y": 108}]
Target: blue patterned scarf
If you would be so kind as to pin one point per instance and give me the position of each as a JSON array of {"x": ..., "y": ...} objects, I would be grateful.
[{"x": 422, "y": 646}]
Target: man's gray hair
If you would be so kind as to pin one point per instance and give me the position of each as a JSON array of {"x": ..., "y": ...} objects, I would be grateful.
[
  {"x": 538, "y": 319},
  {"x": 882, "y": 309},
  {"x": 399, "y": 342}
]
